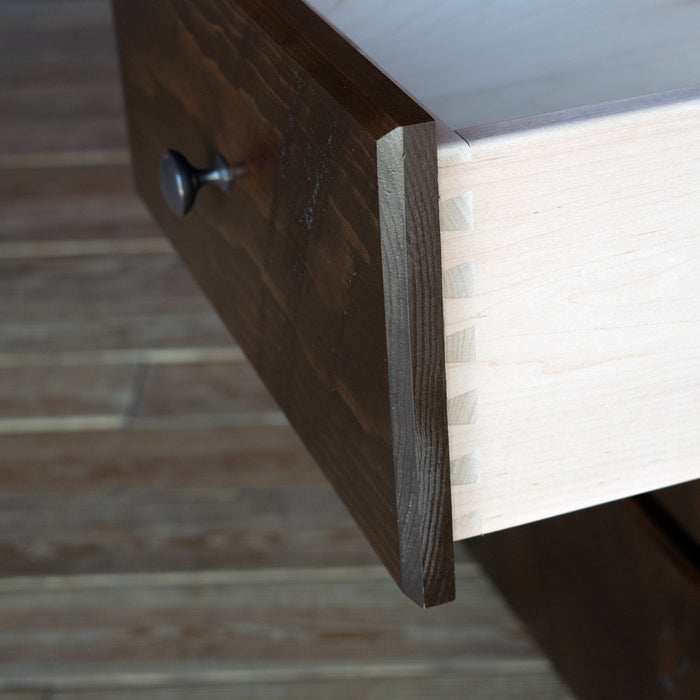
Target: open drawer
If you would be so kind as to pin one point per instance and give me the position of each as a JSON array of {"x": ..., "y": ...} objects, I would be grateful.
[{"x": 473, "y": 317}]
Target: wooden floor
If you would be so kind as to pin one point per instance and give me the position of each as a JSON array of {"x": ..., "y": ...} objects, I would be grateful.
[{"x": 163, "y": 534}]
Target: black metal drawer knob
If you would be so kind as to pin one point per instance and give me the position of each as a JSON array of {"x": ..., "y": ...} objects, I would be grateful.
[{"x": 180, "y": 181}]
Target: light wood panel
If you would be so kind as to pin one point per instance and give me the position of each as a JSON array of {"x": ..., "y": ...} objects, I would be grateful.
[
  {"x": 574, "y": 367},
  {"x": 472, "y": 62}
]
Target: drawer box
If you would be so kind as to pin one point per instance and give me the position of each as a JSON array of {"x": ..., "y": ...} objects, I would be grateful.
[{"x": 470, "y": 326}]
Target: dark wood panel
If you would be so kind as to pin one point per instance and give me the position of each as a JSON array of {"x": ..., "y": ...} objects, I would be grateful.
[
  {"x": 323, "y": 258},
  {"x": 96, "y": 302},
  {"x": 682, "y": 503},
  {"x": 610, "y": 597}
]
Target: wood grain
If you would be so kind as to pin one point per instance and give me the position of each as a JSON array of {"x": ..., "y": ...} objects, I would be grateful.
[
  {"x": 58, "y": 87},
  {"x": 255, "y": 456},
  {"x": 78, "y": 183},
  {"x": 508, "y": 681},
  {"x": 31, "y": 122},
  {"x": 71, "y": 203},
  {"x": 161, "y": 528},
  {"x": 615, "y": 576},
  {"x": 130, "y": 499},
  {"x": 294, "y": 258},
  {"x": 78, "y": 30},
  {"x": 246, "y": 628},
  {"x": 45, "y": 46},
  {"x": 214, "y": 388},
  {"x": 573, "y": 368},
  {"x": 56, "y": 391},
  {"x": 86, "y": 302}
]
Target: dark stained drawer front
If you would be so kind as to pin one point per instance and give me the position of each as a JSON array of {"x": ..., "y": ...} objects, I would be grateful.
[{"x": 323, "y": 257}]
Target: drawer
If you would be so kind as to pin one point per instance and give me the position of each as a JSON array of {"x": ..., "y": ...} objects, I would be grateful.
[{"x": 472, "y": 316}]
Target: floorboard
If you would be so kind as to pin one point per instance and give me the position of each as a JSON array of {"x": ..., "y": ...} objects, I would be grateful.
[
  {"x": 106, "y": 301},
  {"x": 280, "y": 628},
  {"x": 71, "y": 204}
]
